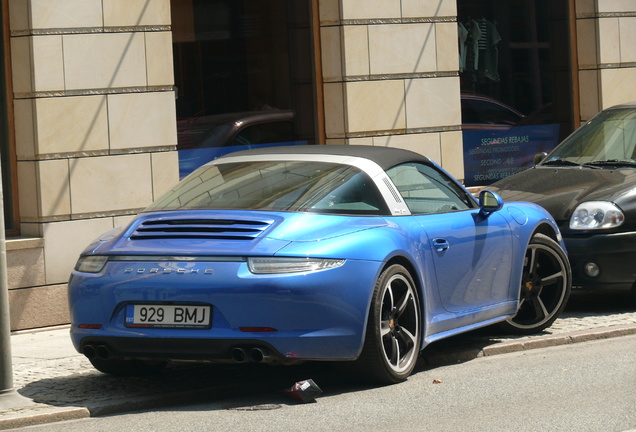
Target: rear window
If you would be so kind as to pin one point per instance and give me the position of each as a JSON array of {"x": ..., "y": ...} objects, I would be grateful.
[{"x": 297, "y": 186}]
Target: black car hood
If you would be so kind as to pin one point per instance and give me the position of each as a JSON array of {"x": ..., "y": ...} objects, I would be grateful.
[{"x": 560, "y": 190}]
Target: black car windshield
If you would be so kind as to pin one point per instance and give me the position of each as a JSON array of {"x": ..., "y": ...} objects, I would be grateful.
[
  {"x": 302, "y": 186},
  {"x": 609, "y": 139}
]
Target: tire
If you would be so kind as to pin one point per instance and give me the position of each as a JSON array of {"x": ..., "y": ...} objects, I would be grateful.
[
  {"x": 545, "y": 287},
  {"x": 394, "y": 329},
  {"x": 128, "y": 367}
]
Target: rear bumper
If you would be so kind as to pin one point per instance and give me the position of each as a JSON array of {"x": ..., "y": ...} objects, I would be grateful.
[
  {"x": 316, "y": 316},
  {"x": 614, "y": 254},
  {"x": 177, "y": 348}
]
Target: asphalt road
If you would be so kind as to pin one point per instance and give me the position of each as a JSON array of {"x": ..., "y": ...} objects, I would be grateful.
[{"x": 584, "y": 387}]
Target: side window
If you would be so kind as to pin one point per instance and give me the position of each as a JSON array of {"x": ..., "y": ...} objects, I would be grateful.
[
  {"x": 356, "y": 194},
  {"x": 265, "y": 133},
  {"x": 427, "y": 190}
]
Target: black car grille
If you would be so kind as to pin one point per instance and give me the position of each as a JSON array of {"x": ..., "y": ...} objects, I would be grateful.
[{"x": 219, "y": 229}]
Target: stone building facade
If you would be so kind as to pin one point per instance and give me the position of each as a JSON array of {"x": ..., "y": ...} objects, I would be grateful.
[
  {"x": 95, "y": 131},
  {"x": 92, "y": 133}
]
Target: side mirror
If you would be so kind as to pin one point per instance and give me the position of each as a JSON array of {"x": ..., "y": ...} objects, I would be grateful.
[
  {"x": 539, "y": 157},
  {"x": 489, "y": 202}
]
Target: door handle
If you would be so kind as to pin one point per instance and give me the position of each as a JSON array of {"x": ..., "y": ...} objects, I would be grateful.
[{"x": 440, "y": 244}]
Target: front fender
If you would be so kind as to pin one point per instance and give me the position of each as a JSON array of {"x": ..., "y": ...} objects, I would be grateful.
[{"x": 525, "y": 220}]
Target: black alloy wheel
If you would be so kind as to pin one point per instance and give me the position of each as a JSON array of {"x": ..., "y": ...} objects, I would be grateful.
[
  {"x": 545, "y": 287},
  {"x": 394, "y": 329}
]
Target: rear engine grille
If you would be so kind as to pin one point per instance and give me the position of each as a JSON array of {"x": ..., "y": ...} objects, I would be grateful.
[{"x": 219, "y": 229}]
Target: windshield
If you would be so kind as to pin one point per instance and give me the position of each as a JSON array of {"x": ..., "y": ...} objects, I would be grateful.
[
  {"x": 277, "y": 186},
  {"x": 608, "y": 137}
]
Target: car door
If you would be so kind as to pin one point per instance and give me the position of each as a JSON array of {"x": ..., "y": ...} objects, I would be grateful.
[{"x": 471, "y": 253}]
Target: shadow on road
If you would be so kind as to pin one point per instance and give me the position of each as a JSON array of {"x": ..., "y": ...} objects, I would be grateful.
[
  {"x": 194, "y": 383},
  {"x": 179, "y": 384}
]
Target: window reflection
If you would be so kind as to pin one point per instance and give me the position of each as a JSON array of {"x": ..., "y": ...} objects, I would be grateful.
[
  {"x": 516, "y": 92},
  {"x": 244, "y": 76},
  {"x": 276, "y": 186}
]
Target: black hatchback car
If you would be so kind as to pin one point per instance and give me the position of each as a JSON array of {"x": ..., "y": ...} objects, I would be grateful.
[{"x": 588, "y": 184}]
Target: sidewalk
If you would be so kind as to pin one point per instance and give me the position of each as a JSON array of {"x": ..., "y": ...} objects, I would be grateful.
[{"x": 63, "y": 384}]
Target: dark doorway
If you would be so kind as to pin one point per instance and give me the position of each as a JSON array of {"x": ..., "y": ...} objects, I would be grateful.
[{"x": 7, "y": 154}]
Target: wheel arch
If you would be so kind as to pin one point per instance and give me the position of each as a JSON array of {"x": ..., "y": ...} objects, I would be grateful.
[
  {"x": 551, "y": 233},
  {"x": 407, "y": 264},
  {"x": 547, "y": 230},
  {"x": 544, "y": 228},
  {"x": 374, "y": 362},
  {"x": 418, "y": 280}
]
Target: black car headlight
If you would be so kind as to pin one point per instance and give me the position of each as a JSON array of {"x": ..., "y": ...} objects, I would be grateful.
[{"x": 596, "y": 215}]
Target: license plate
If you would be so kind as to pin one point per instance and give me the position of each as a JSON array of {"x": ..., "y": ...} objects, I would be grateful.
[{"x": 168, "y": 316}]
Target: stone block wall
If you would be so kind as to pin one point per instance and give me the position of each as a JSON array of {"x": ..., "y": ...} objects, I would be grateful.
[
  {"x": 390, "y": 71},
  {"x": 606, "y": 30},
  {"x": 95, "y": 127}
]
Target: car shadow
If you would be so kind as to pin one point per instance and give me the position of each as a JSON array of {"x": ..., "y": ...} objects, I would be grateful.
[
  {"x": 236, "y": 387},
  {"x": 597, "y": 307},
  {"x": 179, "y": 384},
  {"x": 262, "y": 384}
]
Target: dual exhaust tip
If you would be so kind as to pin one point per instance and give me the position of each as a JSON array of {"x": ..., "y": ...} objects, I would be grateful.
[
  {"x": 256, "y": 355},
  {"x": 238, "y": 354},
  {"x": 96, "y": 351}
]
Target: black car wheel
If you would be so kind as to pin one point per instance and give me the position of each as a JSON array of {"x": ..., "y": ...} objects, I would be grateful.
[
  {"x": 392, "y": 342},
  {"x": 545, "y": 287}
]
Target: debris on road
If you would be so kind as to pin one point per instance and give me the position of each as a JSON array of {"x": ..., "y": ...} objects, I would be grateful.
[{"x": 304, "y": 391}]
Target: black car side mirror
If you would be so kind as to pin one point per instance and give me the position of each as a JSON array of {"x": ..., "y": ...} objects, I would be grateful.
[{"x": 539, "y": 157}]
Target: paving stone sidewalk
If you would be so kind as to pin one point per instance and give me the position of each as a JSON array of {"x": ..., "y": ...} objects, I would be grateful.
[{"x": 63, "y": 385}]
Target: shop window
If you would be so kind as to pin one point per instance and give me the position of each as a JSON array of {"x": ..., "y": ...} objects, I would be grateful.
[
  {"x": 517, "y": 91},
  {"x": 241, "y": 63}
]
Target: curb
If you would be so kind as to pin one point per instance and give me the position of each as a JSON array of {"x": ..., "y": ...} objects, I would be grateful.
[
  {"x": 448, "y": 357},
  {"x": 37, "y": 414},
  {"x": 562, "y": 339}
]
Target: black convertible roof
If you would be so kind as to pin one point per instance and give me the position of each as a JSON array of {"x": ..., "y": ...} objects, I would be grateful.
[{"x": 385, "y": 157}]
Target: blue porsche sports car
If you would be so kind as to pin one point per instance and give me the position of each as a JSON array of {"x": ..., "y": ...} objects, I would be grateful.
[{"x": 340, "y": 253}]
